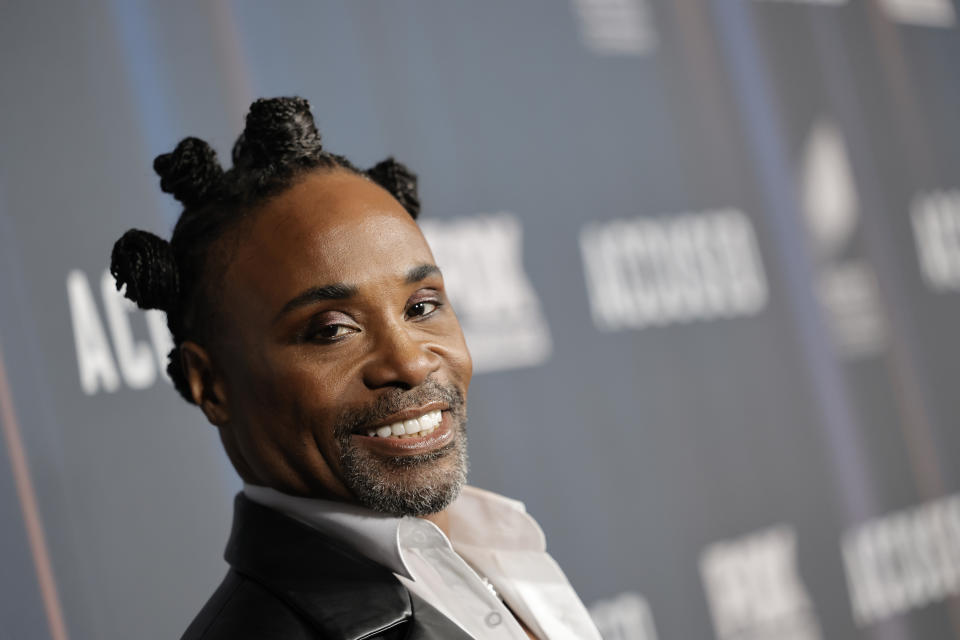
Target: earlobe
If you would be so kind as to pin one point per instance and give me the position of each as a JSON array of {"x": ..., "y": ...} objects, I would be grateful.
[{"x": 206, "y": 386}]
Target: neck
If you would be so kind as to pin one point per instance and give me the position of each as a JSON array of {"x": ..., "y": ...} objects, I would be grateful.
[{"x": 441, "y": 519}]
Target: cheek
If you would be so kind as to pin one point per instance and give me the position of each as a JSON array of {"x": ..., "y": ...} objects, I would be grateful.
[
  {"x": 457, "y": 354},
  {"x": 462, "y": 363},
  {"x": 286, "y": 428},
  {"x": 285, "y": 395}
]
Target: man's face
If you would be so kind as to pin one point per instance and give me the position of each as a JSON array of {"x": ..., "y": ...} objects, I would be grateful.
[{"x": 335, "y": 330}]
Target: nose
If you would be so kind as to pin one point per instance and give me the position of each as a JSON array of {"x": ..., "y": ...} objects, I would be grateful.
[{"x": 399, "y": 359}]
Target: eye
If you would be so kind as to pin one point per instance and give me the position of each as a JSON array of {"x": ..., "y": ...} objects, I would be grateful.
[
  {"x": 333, "y": 331},
  {"x": 328, "y": 332},
  {"x": 424, "y": 308}
]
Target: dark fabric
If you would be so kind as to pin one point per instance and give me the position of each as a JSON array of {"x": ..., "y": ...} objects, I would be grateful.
[{"x": 289, "y": 581}]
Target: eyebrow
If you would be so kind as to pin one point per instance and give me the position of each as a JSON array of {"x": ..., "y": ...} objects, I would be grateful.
[
  {"x": 422, "y": 272},
  {"x": 342, "y": 291}
]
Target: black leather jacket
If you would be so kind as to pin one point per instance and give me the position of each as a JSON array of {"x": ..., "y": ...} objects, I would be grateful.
[{"x": 289, "y": 581}]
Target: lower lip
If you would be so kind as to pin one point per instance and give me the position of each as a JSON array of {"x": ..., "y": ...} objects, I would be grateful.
[{"x": 437, "y": 438}]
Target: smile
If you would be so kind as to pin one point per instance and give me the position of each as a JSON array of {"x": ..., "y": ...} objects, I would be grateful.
[{"x": 413, "y": 427}]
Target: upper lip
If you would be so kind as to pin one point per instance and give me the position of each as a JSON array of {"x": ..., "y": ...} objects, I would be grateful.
[{"x": 407, "y": 414}]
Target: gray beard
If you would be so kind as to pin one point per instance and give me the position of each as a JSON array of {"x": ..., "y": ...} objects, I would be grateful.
[{"x": 416, "y": 485}]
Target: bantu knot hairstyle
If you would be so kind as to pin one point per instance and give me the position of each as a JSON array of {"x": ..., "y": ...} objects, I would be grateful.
[
  {"x": 191, "y": 172},
  {"x": 278, "y": 131},
  {"x": 144, "y": 263},
  {"x": 398, "y": 180},
  {"x": 278, "y": 146}
]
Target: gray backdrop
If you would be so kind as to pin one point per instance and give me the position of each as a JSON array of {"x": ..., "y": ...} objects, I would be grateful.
[{"x": 707, "y": 255}]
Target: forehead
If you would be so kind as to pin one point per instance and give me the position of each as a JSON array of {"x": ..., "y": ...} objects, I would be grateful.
[{"x": 331, "y": 227}]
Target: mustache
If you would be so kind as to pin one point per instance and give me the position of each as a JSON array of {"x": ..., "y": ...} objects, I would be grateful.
[{"x": 352, "y": 419}]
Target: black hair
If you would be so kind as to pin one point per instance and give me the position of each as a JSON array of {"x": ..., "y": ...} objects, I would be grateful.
[{"x": 279, "y": 145}]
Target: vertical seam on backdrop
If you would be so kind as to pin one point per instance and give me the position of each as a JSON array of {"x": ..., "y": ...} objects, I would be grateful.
[{"x": 30, "y": 509}]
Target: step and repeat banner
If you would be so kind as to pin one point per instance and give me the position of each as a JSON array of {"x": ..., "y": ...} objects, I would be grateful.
[{"x": 706, "y": 254}]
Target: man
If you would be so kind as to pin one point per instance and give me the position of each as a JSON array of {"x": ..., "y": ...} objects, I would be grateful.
[{"x": 313, "y": 330}]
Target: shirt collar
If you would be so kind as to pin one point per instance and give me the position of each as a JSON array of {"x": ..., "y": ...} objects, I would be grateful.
[
  {"x": 485, "y": 519},
  {"x": 478, "y": 518}
]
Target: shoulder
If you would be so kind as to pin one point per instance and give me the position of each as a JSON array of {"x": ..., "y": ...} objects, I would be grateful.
[
  {"x": 241, "y": 608},
  {"x": 288, "y": 580}
]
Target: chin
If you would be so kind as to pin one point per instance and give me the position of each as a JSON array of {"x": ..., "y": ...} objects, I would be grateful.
[{"x": 407, "y": 485}]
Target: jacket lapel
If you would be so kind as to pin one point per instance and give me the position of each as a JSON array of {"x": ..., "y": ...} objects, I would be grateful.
[
  {"x": 431, "y": 624},
  {"x": 342, "y": 594}
]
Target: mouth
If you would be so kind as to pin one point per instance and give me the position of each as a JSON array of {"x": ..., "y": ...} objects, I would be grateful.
[
  {"x": 410, "y": 423},
  {"x": 410, "y": 432}
]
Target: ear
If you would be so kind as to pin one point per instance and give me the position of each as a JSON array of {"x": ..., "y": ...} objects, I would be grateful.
[{"x": 206, "y": 386}]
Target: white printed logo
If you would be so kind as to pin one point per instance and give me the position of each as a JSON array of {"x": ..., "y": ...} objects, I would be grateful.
[
  {"x": 847, "y": 287},
  {"x": 656, "y": 271},
  {"x": 139, "y": 362},
  {"x": 616, "y": 27},
  {"x": 835, "y": 3},
  {"x": 903, "y": 560},
  {"x": 482, "y": 262},
  {"x": 754, "y": 589},
  {"x": 624, "y": 617},
  {"x": 924, "y": 13},
  {"x": 936, "y": 230}
]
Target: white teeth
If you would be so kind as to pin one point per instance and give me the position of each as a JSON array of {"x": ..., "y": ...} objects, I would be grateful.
[
  {"x": 372, "y": 432},
  {"x": 429, "y": 420},
  {"x": 414, "y": 427}
]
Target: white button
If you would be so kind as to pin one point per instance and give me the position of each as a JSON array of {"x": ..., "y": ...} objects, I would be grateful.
[{"x": 493, "y": 619}]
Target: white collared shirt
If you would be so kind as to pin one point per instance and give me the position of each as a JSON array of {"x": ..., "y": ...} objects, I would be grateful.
[{"x": 489, "y": 534}]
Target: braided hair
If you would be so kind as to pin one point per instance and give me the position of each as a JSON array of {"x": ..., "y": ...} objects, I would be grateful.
[{"x": 279, "y": 145}]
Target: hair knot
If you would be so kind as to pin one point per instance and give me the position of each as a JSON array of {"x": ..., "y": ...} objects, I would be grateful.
[
  {"x": 278, "y": 131},
  {"x": 145, "y": 264},
  {"x": 191, "y": 172},
  {"x": 396, "y": 178}
]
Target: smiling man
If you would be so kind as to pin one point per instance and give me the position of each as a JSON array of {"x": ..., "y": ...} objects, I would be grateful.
[{"x": 313, "y": 330}]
